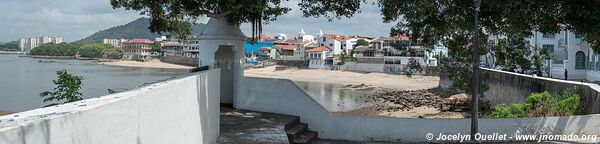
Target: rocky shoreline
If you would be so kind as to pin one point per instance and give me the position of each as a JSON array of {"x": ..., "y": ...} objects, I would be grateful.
[
  {"x": 2, "y": 113},
  {"x": 424, "y": 103}
]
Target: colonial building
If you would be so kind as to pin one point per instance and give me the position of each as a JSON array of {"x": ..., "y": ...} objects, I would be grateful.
[
  {"x": 191, "y": 47},
  {"x": 568, "y": 52},
  {"x": 137, "y": 49},
  {"x": 333, "y": 42},
  {"x": 171, "y": 48},
  {"x": 319, "y": 58}
]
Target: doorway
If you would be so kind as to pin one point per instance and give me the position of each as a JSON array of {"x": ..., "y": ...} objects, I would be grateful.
[{"x": 224, "y": 59}]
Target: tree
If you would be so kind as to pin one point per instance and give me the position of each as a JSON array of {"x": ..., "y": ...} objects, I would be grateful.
[
  {"x": 177, "y": 16},
  {"x": 459, "y": 24},
  {"x": 413, "y": 64},
  {"x": 67, "y": 89},
  {"x": 92, "y": 50},
  {"x": 362, "y": 42},
  {"x": 156, "y": 47}
]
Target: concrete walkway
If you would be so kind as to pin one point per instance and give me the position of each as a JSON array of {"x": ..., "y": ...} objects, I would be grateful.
[
  {"x": 249, "y": 127},
  {"x": 240, "y": 126}
]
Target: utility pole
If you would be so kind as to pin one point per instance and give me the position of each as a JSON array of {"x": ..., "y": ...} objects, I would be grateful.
[{"x": 475, "y": 80}]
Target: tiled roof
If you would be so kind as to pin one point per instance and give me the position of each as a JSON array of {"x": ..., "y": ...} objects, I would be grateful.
[
  {"x": 337, "y": 37},
  {"x": 287, "y": 47},
  {"x": 171, "y": 43},
  {"x": 290, "y": 40},
  {"x": 264, "y": 48},
  {"x": 142, "y": 41},
  {"x": 318, "y": 49}
]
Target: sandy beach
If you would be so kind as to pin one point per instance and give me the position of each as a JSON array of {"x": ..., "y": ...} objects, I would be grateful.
[
  {"x": 377, "y": 80},
  {"x": 4, "y": 113},
  {"x": 149, "y": 64}
]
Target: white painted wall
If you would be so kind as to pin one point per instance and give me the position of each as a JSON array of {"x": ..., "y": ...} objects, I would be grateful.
[
  {"x": 179, "y": 111},
  {"x": 366, "y": 67},
  {"x": 218, "y": 32},
  {"x": 284, "y": 97}
]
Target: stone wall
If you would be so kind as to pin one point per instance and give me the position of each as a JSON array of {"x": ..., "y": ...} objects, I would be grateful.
[
  {"x": 179, "y": 111},
  {"x": 363, "y": 67},
  {"x": 180, "y": 60}
]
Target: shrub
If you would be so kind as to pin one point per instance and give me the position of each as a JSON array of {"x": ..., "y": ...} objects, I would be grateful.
[
  {"x": 540, "y": 104},
  {"x": 514, "y": 111}
]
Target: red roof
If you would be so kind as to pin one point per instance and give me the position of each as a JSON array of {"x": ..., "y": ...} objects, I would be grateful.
[
  {"x": 290, "y": 40},
  {"x": 263, "y": 36},
  {"x": 139, "y": 41},
  {"x": 264, "y": 49},
  {"x": 318, "y": 49},
  {"x": 287, "y": 47},
  {"x": 337, "y": 37}
]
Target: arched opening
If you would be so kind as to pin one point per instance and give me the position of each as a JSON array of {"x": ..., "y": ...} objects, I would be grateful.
[
  {"x": 580, "y": 60},
  {"x": 224, "y": 59}
]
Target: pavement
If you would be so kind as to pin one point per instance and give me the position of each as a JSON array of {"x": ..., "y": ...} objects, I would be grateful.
[{"x": 250, "y": 127}]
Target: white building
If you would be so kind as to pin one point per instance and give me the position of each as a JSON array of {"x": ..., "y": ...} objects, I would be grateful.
[
  {"x": 318, "y": 58},
  {"x": 26, "y": 44},
  {"x": 114, "y": 42},
  {"x": 430, "y": 56},
  {"x": 191, "y": 47},
  {"x": 333, "y": 42},
  {"x": 569, "y": 52},
  {"x": 137, "y": 49}
]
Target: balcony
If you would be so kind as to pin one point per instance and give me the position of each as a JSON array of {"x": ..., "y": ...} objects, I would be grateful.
[{"x": 562, "y": 42}]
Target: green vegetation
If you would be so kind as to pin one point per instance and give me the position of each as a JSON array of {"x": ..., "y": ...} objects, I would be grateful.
[
  {"x": 540, "y": 105},
  {"x": 10, "y": 46},
  {"x": 462, "y": 26},
  {"x": 67, "y": 89},
  {"x": 52, "y": 49},
  {"x": 98, "y": 50},
  {"x": 135, "y": 29},
  {"x": 413, "y": 66},
  {"x": 362, "y": 42},
  {"x": 90, "y": 50}
]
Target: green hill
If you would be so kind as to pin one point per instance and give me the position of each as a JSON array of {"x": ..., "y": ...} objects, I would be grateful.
[{"x": 135, "y": 29}]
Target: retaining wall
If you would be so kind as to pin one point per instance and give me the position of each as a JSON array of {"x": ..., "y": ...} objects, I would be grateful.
[
  {"x": 508, "y": 88},
  {"x": 180, "y": 60},
  {"x": 284, "y": 97},
  {"x": 179, "y": 111},
  {"x": 366, "y": 67}
]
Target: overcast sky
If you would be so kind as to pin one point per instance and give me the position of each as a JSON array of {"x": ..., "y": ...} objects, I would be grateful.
[{"x": 76, "y": 19}]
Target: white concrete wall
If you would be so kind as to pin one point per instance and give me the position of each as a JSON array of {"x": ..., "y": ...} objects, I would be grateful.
[
  {"x": 284, "y": 97},
  {"x": 218, "y": 32},
  {"x": 179, "y": 111},
  {"x": 367, "y": 67},
  {"x": 593, "y": 75}
]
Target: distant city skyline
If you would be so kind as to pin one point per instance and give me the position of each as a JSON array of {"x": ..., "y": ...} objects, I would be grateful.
[{"x": 75, "y": 20}]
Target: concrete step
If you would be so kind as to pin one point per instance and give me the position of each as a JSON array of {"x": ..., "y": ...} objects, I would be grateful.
[
  {"x": 296, "y": 131},
  {"x": 292, "y": 123},
  {"x": 306, "y": 138}
]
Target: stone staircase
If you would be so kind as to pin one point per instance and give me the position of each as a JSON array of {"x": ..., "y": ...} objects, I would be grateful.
[{"x": 298, "y": 132}]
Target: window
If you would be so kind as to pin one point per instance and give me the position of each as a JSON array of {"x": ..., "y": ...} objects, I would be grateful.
[
  {"x": 580, "y": 60},
  {"x": 550, "y": 48},
  {"x": 545, "y": 35},
  {"x": 331, "y": 44}
]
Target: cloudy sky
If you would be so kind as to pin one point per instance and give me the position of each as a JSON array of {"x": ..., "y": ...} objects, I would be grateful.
[{"x": 76, "y": 19}]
